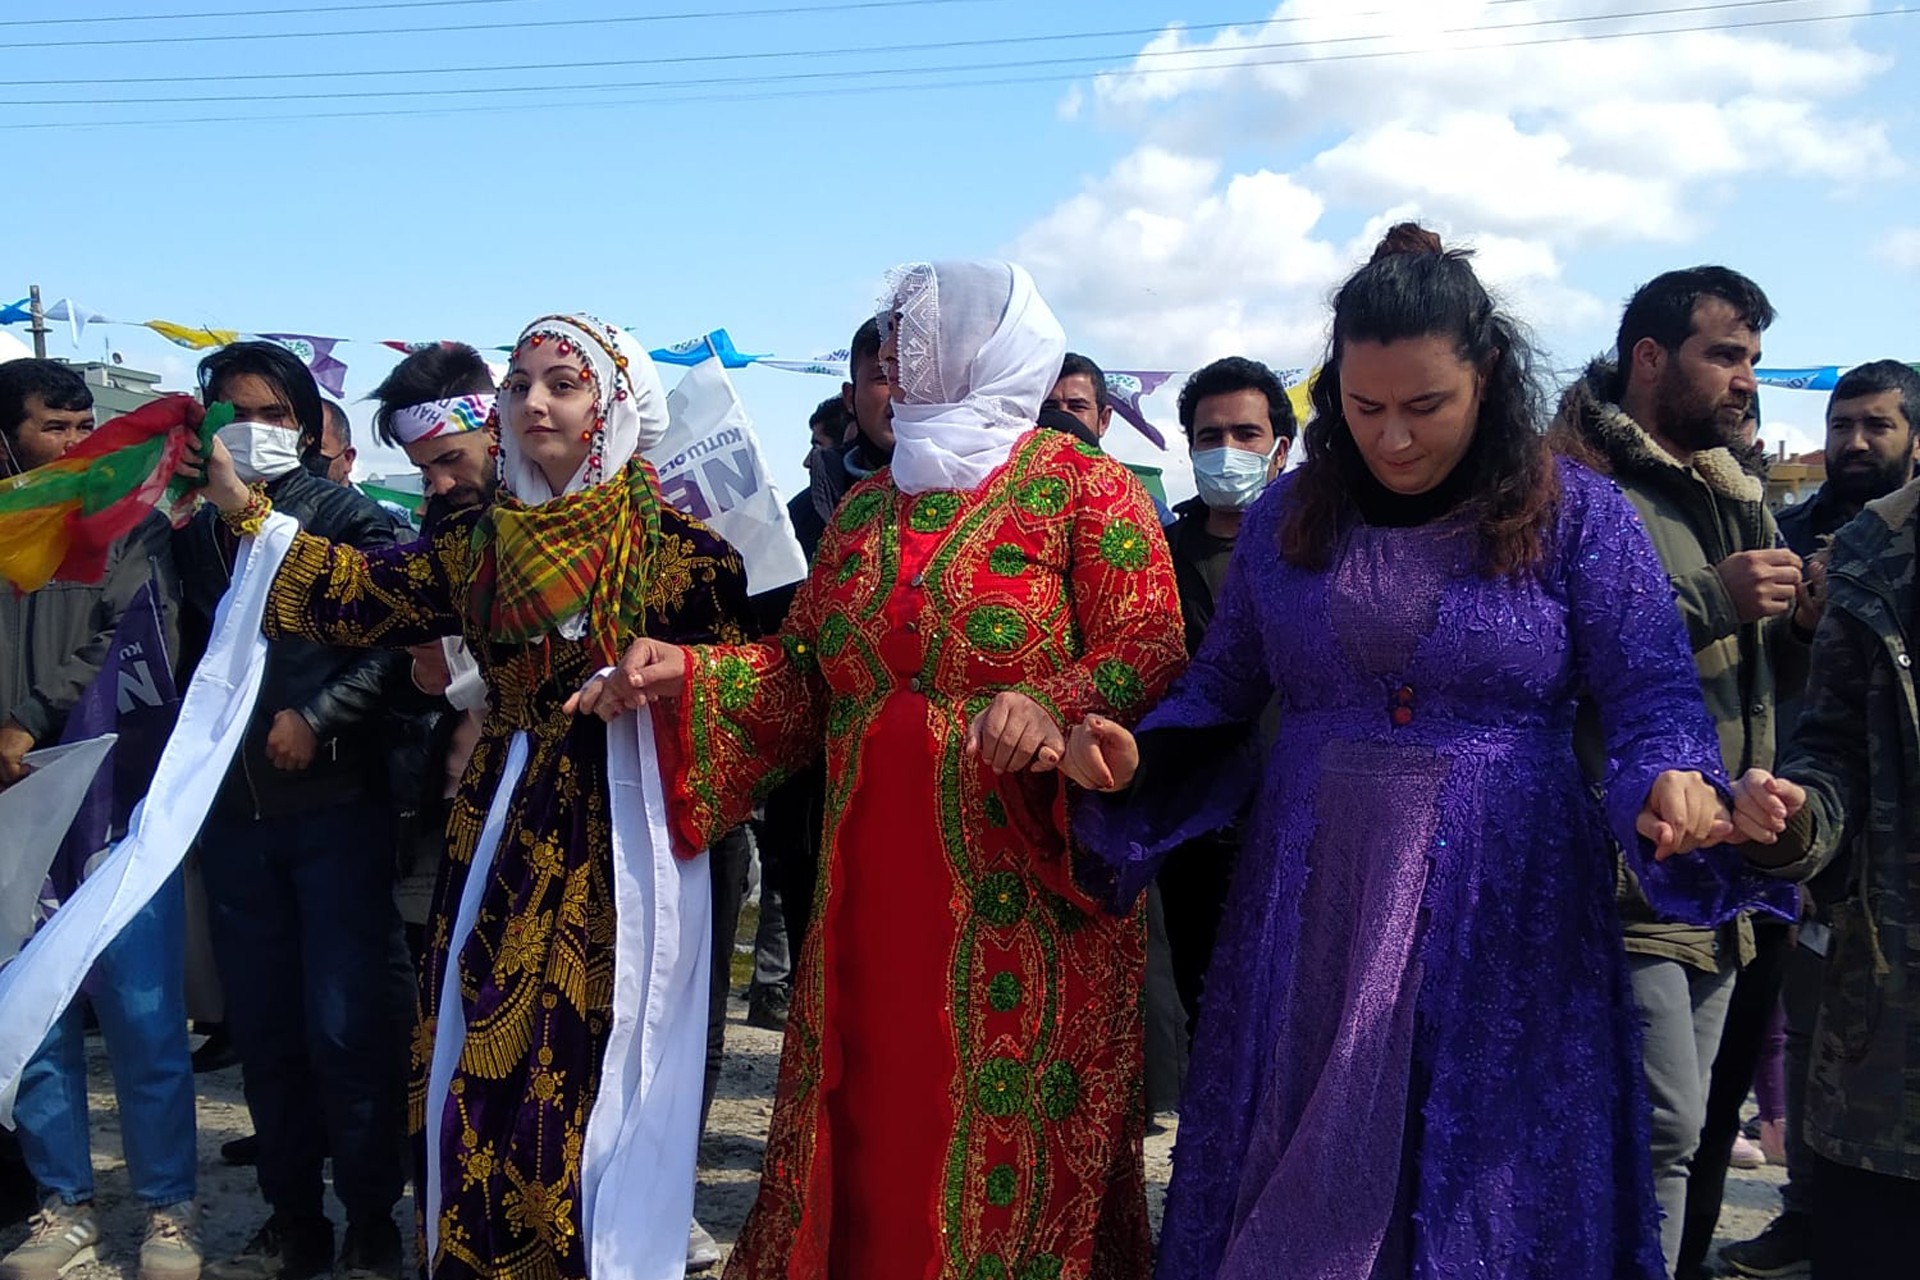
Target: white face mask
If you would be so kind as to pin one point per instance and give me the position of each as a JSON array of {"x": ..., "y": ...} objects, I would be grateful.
[
  {"x": 1230, "y": 479},
  {"x": 260, "y": 450}
]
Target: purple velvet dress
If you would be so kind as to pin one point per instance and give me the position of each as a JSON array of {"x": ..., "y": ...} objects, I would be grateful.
[{"x": 1417, "y": 1054}]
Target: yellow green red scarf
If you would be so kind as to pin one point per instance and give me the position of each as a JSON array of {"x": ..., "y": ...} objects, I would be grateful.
[{"x": 582, "y": 553}]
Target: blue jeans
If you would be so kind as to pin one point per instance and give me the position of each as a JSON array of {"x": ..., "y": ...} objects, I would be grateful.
[
  {"x": 137, "y": 990},
  {"x": 306, "y": 936}
]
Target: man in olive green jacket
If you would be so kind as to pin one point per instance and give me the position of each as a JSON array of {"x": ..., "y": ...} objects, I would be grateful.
[
  {"x": 1856, "y": 751},
  {"x": 1660, "y": 423}
]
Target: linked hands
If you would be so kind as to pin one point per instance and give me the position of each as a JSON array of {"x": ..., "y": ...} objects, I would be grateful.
[
  {"x": 1684, "y": 812},
  {"x": 650, "y": 671},
  {"x": 1101, "y": 755},
  {"x": 1015, "y": 732}
]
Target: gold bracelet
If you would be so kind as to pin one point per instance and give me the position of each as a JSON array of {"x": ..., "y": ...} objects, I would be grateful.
[{"x": 246, "y": 522}]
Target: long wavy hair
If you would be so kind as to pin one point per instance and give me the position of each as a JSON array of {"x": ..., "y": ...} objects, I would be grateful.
[{"x": 1415, "y": 288}]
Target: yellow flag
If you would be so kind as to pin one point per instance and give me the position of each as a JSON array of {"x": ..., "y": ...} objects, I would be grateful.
[{"x": 195, "y": 339}]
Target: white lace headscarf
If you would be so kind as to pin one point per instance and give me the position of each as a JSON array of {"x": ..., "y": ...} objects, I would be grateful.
[
  {"x": 979, "y": 351},
  {"x": 631, "y": 416}
]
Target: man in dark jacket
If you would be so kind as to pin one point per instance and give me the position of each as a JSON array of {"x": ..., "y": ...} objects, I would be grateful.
[
  {"x": 1661, "y": 423},
  {"x": 1873, "y": 435},
  {"x": 298, "y": 858},
  {"x": 1856, "y": 751},
  {"x": 54, "y": 643},
  {"x": 1239, "y": 425}
]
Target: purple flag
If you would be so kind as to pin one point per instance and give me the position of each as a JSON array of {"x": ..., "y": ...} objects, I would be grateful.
[
  {"x": 1127, "y": 389},
  {"x": 331, "y": 374},
  {"x": 133, "y": 696}
]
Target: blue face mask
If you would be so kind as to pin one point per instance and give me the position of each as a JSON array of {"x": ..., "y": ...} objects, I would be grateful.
[{"x": 1230, "y": 479}]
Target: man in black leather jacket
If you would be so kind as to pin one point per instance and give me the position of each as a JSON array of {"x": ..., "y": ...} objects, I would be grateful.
[{"x": 298, "y": 858}]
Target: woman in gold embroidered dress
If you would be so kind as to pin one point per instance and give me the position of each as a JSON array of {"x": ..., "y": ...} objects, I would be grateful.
[{"x": 577, "y": 558}]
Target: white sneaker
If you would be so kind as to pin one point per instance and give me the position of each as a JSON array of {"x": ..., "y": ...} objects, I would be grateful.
[
  {"x": 60, "y": 1237},
  {"x": 1745, "y": 1154},
  {"x": 171, "y": 1250},
  {"x": 703, "y": 1250}
]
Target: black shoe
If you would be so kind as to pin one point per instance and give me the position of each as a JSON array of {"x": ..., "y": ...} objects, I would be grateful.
[
  {"x": 216, "y": 1052},
  {"x": 285, "y": 1248},
  {"x": 767, "y": 1008},
  {"x": 241, "y": 1151},
  {"x": 1785, "y": 1248},
  {"x": 371, "y": 1248}
]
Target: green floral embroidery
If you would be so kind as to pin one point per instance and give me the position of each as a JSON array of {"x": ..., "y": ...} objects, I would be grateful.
[
  {"x": 933, "y": 512},
  {"x": 1001, "y": 899},
  {"x": 841, "y": 715},
  {"x": 859, "y": 509},
  {"x": 735, "y": 682},
  {"x": 798, "y": 650},
  {"x": 996, "y": 629},
  {"x": 1007, "y": 560},
  {"x": 1000, "y": 1087},
  {"x": 1002, "y": 1183},
  {"x": 1003, "y": 993},
  {"x": 1044, "y": 1266},
  {"x": 1118, "y": 683},
  {"x": 1059, "y": 1091},
  {"x": 1043, "y": 495},
  {"x": 834, "y": 634},
  {"x": 1124, "y": 546},
  {"x": 850, "y": 566},
  {"x": 989, "y": 1268},
  {"x": 995, "y": 810},
  {"x": 1089, "y": 450}
]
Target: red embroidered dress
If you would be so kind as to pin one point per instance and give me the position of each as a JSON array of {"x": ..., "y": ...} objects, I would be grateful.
[{"x": 960, "y": 1089}]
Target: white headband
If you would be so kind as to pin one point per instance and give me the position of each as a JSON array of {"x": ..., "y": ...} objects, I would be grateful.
[{"x": 441, "y": 418}]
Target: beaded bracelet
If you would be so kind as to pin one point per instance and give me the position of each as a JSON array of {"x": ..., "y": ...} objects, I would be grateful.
[{"x": 246, "y": 522}]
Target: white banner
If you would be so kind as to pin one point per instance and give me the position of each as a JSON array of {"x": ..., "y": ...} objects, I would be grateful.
[
  {"x": 711, "y": 468},
  {"x": 35, "y": 813}
]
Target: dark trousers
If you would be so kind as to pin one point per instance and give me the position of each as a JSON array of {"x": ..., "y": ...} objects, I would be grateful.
[
  {"x": 1755, "y": 993},
  {"x": 309, "y": 947},
  {"x": 790, "y": 853},
  {"x": 1800, "y": 995},
  {"x": 1193, "y": 896},
  {"x": 727, "y": 862},
  {"x": 1865, "y": 1225}
]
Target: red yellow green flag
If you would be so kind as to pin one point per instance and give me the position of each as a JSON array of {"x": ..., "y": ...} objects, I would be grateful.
[{"x": 60, "y": 520}]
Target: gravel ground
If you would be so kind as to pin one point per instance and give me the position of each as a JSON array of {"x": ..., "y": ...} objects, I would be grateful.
[{"x": 729, "y": 1161}]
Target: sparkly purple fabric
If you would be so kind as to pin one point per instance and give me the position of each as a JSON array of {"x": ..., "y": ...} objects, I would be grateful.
[{"x": 1417, "y": 1053}]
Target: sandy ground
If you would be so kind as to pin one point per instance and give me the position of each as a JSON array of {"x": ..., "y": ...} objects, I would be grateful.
[{"x": 729, "y": 1161}]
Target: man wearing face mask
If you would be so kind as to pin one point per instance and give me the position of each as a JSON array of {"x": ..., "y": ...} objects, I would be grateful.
[
  {"x": 297, "y": 855},
  {"x": 1239, "y": 425},
  {"x": 335, "y": 454}
]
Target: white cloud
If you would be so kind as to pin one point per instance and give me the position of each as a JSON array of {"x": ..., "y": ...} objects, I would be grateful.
[
  {"x": 1531, "y": 153},
  {"x": 1901, "y": 248}
]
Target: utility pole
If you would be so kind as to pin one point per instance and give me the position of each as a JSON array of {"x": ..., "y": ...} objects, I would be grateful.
[{"x": 38, "y": 327}]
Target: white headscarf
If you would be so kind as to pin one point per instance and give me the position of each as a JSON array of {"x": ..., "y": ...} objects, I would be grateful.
[
  {"x": 979, "y": 351},
  {"x": 632, "y": 414}
]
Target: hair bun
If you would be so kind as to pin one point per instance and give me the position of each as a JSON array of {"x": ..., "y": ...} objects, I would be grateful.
[{"x": 1407, "y": 237}]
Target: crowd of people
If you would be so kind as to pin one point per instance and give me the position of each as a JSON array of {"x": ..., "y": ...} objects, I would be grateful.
[{"x": 1471, "y": 815}]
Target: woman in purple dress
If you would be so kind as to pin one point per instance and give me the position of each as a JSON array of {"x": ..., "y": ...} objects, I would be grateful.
[{"x": 1417, "y": 1053}]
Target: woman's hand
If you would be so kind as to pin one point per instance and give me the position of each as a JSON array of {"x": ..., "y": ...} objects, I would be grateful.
[
  {"x": 1015, "y": 732},
  {"x": 1101, "y": 755},
  {"x": 650, "y": 671},
  {"x": 1762, "y": 806},
  {"x": 213, "y": 471},
  {"x": 1683, "y": 813}
]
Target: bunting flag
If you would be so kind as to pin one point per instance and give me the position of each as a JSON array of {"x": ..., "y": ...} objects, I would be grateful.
[
  {"x": 833, "y": 364},
  {"x": 60, "y": 520},
  {"x": 76, "y": 316},
  {"x": 191, "y": 338},
  {"x": 1126, "y": 389},
  {"x": 17, "y": 312},
  {"x": 317, "y": 354},
  {"x": 1815, "y": 378},
  {"x": 693, "y": 351}
]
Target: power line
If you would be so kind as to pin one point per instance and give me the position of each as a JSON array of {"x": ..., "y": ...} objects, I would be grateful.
[
  {"x": 249, "y": 13},
  {"x": 1000, "y": 82},
  {"x": 757, "y": 55},
  {"x": 840, "y": 6},
  {"x": 800, "y": 77}
]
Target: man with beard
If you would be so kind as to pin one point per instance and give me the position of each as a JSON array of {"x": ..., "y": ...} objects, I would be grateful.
[
  {"x": 1662, "y": 423},
  {"x": 1872, "y": 442}
]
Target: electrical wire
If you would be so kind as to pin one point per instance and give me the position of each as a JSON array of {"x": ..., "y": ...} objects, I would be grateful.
[{"x": 1002, "y": 82}]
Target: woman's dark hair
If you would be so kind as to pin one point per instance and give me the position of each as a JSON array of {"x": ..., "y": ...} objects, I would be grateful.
[
  {"x": 279, "y": 368},
  {"x": 444, "y": 371},
  {"x": 1416, "y": 288}
]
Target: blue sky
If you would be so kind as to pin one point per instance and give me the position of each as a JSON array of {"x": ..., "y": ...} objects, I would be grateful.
[{"x": 1204, "y": 209}]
